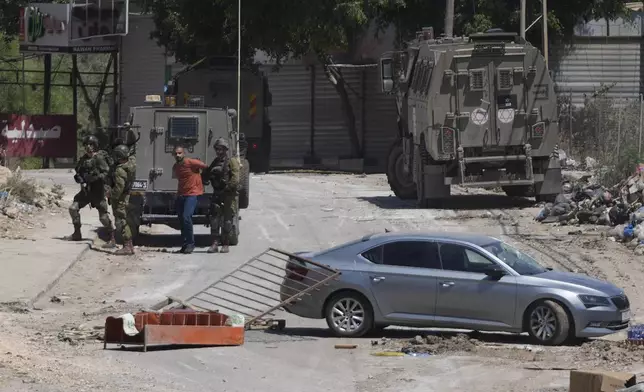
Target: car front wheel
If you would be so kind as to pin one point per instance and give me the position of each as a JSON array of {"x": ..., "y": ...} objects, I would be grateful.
[
  {"x": 349, "y": 315},
  {"x": 548, "y": 323}
]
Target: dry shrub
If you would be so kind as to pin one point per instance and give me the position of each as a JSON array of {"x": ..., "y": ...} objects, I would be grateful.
[
  {"x": 20, "y": 188},
  {"x": 606, "y": 129}
]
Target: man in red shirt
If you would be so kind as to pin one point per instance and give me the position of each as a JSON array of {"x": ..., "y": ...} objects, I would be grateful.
[{"x": 188, "y": 173}]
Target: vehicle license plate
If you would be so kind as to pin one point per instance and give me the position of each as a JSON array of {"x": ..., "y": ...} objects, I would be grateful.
[{"x": 626, "y": 316}]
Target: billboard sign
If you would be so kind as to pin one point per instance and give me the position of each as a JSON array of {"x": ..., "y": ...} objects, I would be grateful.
[
  {"x": 49, "y": 136},
  {"x": 46, "y": 28},
  {"x": 98, "y": 19}
]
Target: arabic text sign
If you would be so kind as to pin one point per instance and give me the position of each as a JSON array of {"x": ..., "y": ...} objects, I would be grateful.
[{"x": 52, "y": 136}]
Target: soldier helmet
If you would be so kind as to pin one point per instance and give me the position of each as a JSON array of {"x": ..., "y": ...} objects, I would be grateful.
[
  {"x": 221, "y": 142},
  {"x": 91, "y": 140},
  {"x": 121, "y": 152}
]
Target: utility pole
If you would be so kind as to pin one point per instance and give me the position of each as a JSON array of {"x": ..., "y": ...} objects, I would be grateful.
[
  {"x": 449, "y": 18},
  {"x": 544, "y": 22},
  {"x": 523, "y": 7}
]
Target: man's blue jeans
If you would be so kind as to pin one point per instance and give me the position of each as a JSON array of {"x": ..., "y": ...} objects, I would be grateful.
[{"x": 185, "y": 206}]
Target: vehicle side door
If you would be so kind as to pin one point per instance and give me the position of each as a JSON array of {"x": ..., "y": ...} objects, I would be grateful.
[
  {"x": 402, "y": 279},
  {"x": 467, "y": 297}
]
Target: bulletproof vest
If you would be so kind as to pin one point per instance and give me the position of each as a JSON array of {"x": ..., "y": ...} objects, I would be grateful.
[{"x": 219, "y": 172}]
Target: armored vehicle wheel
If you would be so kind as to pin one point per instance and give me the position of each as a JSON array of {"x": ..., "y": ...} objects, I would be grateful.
[
  {"x": 244, "y": 182},
  {"x": 519, "y": 191},
  {"x": 401, "y": 184}
]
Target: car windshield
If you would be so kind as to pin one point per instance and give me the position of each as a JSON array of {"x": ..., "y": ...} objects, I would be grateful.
[{"x": 515, "y": 259}]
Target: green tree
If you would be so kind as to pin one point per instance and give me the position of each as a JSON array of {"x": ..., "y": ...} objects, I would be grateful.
[{"x": 479, "y": 15}]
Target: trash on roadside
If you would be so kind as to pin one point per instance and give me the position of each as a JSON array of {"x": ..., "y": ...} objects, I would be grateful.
[
  {"x": 419, "y": 355},
  {"x": 346, "y": 346},
  {"x": 600, "y": 381},
  {"x": 172, "y": 327},
  {"x": 635, "y": 388},
  {"x": 635, "y": 334},
  {"x": 389, "y": 354},
  {"x": 620, "y": 207}
]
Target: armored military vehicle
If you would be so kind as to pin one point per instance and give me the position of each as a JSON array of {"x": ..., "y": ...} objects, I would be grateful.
[
  {"x": 215, "y": 79},
  {"x": 479, "y": 111},
  {"x": 163, "y": 125}
]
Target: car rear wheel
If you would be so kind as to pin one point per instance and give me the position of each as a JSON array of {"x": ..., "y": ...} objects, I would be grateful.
[
  {"x": 548, "y": 323},
  {"x": 349, "y": 315}
]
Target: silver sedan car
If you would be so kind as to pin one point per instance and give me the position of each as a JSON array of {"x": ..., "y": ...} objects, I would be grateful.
[{"x": 450, "y": 280}]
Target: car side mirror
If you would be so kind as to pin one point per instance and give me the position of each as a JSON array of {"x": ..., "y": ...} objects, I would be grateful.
[
  {"x": 386, "y": 75},
  {"x": 495, "y": 272}
]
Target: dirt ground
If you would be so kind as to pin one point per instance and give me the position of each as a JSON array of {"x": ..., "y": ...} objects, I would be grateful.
[{"x": 56, "y": 345}]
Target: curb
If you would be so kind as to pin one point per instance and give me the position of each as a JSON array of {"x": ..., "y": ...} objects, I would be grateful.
[{"x": 59, "y": 277}]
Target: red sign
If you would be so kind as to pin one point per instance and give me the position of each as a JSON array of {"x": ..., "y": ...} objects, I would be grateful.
[{"x": 50, "y": 136}]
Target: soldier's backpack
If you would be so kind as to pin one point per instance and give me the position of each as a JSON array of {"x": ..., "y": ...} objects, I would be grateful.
[{"x": 108, "y": 157}]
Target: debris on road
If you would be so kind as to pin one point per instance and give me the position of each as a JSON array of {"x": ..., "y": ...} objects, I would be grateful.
[
  {"x": 620, "y": 207},
  {"x": 346, "y": 346},
  {"x": 430, "y": 344},
  {"x": 172, "y": 327},
  {"x": 76, "y": 335},
  {"x": 600, "y": 381}
]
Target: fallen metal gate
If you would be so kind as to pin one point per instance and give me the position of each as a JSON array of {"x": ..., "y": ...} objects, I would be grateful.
[{"x": 263, "y": 284}]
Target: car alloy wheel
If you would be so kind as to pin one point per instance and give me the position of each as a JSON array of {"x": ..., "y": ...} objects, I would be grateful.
[
  {"x": 543, "y": 323},
  {"x": 348, "y": 315},
  {"x": 548, "y": 323}
]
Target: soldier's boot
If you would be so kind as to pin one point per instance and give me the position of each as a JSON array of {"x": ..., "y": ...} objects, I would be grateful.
[
  {"x": 224, "y": 245},
  {"x": 214, "y": 248},
  {"x": 126, "y": 250},
  {"x": 76, "y": 235},
  {"x": 111, "y": 243}
]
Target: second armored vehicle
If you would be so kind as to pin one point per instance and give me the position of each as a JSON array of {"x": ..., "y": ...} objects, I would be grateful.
[{"x": 477, "y": 112}]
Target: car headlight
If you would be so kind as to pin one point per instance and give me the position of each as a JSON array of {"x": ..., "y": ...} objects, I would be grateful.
[{"x": 590, "y": 301}]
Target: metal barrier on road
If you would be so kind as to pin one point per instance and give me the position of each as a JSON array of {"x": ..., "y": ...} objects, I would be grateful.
[{"x": 263, "y": 284}]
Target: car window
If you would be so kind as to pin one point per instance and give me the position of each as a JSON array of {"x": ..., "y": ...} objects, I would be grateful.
[
  {"x": 374, "y": 254},
  {"x": 459, "y": 258},
  {"x": 419, "y": 254}
]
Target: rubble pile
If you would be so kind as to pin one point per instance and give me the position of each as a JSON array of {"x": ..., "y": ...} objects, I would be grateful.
[
  {"x": 76, "y": 335},
  {"x": 20, "y": 195},
  {"x": 620, "y": 207},
  {"x": 436, "y": 344}
]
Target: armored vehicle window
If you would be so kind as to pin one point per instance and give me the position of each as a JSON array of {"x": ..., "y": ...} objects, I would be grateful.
[
  {"x": 477, "y": 80},
  {"x": 184, "y": 127},
  {"x": 505, "y": 81},
  {"x": 423, "y": 77},
  {"x": 428, "y": 72}
]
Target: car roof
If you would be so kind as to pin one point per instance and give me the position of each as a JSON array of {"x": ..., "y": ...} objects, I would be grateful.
[{"x": 472, "y": 238}]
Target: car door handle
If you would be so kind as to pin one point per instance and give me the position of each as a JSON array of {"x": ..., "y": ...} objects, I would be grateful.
[
  {"x": 447, "y": 284},
  {"x": 377, "y": 279}
]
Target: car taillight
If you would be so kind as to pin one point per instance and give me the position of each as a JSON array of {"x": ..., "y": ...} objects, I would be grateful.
[
  {"x": 295, "y": 272},
  {"x": 447, "y": 140},
  {"x": 539, "y": 129}
]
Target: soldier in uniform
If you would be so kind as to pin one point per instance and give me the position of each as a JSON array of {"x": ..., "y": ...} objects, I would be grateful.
[
  {"x": 92, "y": 172},
  {"x": 223, "y": 174},
  {"x": 122, "y": 179}
]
